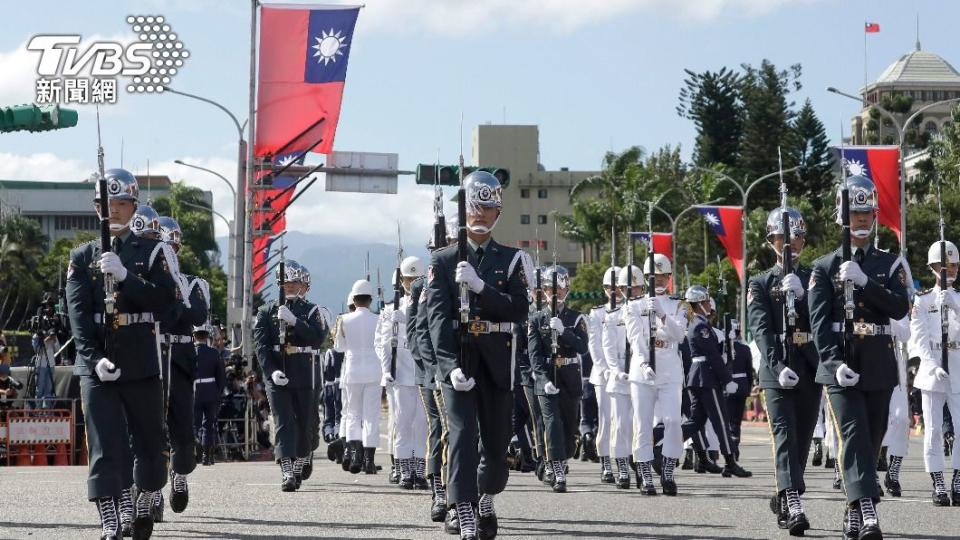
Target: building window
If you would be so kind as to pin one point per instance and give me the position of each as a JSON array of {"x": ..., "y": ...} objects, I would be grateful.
[
  {"x": 524, "y": 243},
  {"x": 543, "y": 244},
  {"x": 524, "y": 219},
  {"x": 74, "y": 223},
  {"x": 542, "y": 219},
  {"x": 524, "y": 193},
  {"x": 541, "y": 194}
]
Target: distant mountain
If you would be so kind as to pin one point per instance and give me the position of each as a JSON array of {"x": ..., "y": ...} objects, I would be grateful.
[{"x": 335, "y": 262}]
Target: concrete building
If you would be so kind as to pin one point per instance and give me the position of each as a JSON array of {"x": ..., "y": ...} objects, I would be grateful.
[
  {"x": 65, "y": 208},
  {"x": 534, "y": 196}
]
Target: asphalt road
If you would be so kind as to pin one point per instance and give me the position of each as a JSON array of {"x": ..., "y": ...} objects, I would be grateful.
[{"x": 243, "y": 501}]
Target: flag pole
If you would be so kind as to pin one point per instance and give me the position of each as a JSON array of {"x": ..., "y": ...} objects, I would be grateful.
[
  {"x": 865, "y": 64},
  {"x": 247, "y": 317}
]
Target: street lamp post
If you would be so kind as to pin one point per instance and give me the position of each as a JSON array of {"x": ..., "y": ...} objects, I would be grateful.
[{"x": 901, "y": 135}]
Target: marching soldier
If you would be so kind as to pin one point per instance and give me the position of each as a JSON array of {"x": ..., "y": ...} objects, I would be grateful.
[
  {"x": 360, "y": 380},
  {"x": 741, "y": 371},
  {"x": 337, "y": 448},
  {"x": 476, "y": 375},
  {"x": 707, "y": 377},
  {"x": 119, "y": 377},
  {"x": 556, "y": 341},
  {"x": 657, "y": 388},
  {"x": 792, "y": 397},
  {"x": 527, "y": 385},
  {"x": 332, "y": 404},
  {"x": 860, "y": 378},
  {"x": 939, "y": 385},
  {"x": 600, "y": 373},
  {"x": 409, "y": 416},
  {"x": 286, "y": 333},
  {"x": 208, "y": 387},
  {"x": 179, "y": 367}
]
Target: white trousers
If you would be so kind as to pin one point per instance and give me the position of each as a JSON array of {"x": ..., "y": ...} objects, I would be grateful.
[
  {"x": 897, "y": 438},
  {"x": 361, "y": 413},
  {"x": 603, "y": 420},
  {"x": 391, "y": 421},
  {"x": 650, "y": 403},
  {"x": 621, "y": 425},
  {"x": 820, "y": 430},
  {"x": 409, "y": 422},
  {"x": 932, "y": 403}
]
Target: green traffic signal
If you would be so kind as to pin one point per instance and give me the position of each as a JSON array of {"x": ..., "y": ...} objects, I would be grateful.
[
  {"x": 36, "y": 118},
  {"x": 449, "y": 175}
]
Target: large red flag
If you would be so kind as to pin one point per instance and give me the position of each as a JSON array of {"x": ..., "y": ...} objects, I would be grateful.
[
  {"x": 727, "y": 223},
  {"x": 302, "y": 69},
  {"x": 881, "y": 164}
]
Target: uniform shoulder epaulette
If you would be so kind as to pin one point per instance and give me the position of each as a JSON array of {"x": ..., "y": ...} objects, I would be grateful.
[
  {"x": 599, "y": 306},
  {"x": 924, "y": 291}
]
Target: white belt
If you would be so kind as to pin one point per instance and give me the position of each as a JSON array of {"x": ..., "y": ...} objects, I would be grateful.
[
  {"x": 865, "y": 329},
  {"x": 802, "y": 338},
  {"x": 170, "y": 338},
  {"x": 951, "y": 345},
  {"x": 205, "y": 380},
  {"x": 477, "y": 327},
  {"x": 699, "y": 359},
  {"x": 293, "y": 349},
  {"x": 126, "y": 319},
  {"x": 560, "y": 362},
  {"x": 739, "y": 375},
  {"x": 666, "y": 345}
]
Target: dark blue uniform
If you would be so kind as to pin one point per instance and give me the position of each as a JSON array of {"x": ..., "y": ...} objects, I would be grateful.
[
  {"x": 705, "y": 381},
  {"x": 134, "y": 403},
  {"x": 332, "y": 402},
  {"x": 531, "y": 408},
  {"x": 741, "y": 371},
  {"x": 208, "y": 387}
]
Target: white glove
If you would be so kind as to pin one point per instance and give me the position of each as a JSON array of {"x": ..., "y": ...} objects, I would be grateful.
[
  {"x": 467, "y": 274},
  {"x": 847, "y": 376},
  {"x": 850, "y": 271},
  {"x": 951, "y": 299},
  {"x": 788, "y": 378},
  {"x": 940, "y": 374},
  {"x": 732, "y": 335},
  {"x": 287, "y": 316},
  {"x": 731, "y": 387},
  {"x": 398, "y": 317},
  {"x": 550, "y": 390},
  {"x": 653, "y": 306},
  {"x": 460, "y": 382},
  {"x": 279, "y": 378},
  {"x": 647, "y": 373},
  {"x": 110, "y": 264},
  {"x": 556, "y": 325},
  {"x": 107, "y": 371},
  {"x": 621, "y": 376},
  {"x": 791, "y": 282},
  {"x": 387, "y": 380}
]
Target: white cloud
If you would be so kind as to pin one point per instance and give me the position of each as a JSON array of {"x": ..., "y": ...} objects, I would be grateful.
[
  {"x": 41, "y": 166},
  {"x": 455, "y": 17}
]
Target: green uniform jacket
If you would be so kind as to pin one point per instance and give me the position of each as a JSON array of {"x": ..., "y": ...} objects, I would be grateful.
[{"x": 310, "y": 331}]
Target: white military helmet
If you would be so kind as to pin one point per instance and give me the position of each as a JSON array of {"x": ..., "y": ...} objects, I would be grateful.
[
  {"x": 361, "y": 287},
  {"x": 614, "y": 271},
  {"x": 661, "y": 265},
  {"x": 933, "y": 254},
  {"x": 636, "y": 276},
  {"x": 696, "y": 293},
  {"x": 411, "y": 267}
]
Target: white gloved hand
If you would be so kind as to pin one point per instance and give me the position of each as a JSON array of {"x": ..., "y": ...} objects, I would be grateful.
[
  {"x": 387, "y": 380},
  {"x": 791, "y": 282},
  {"x": 107, "y": 371},
  {"x": 788, "y": 378},
  {"x": 398, "y": 317},
  {"x": 940, "y": 374},
  {"x": 460, "y": 382},
  {"x": 467, "y": 274},
  {"x": 731, "y": 387},
  {"x": 287, "y": 316},
  {"x": 279, "y": 378},
  {"x": 732, "y": 335},
  {"x": 847, "y": 376},
  {"x": 550, "y": 390},
  {"x": 647, "y": 374},
  {"x": 621, "y": 376},
  {"x": 951, "y": 299},
  {"x": 851, "y": 271},
  {"x": 653, "y": 306},
  {"x": 556, "y": 325},
  {"x": 110, "y": 264}
]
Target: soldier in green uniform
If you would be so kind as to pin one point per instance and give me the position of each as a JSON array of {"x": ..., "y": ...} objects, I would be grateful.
[
  {"x": 792, "y": 397},
  {"x": 477, "y": 384},
  {"x": 120, "y": 377},
  {"x": 556, "y": 341},
  {"x": 859, "y": 380},
  {"x": 287, "y": 364}
]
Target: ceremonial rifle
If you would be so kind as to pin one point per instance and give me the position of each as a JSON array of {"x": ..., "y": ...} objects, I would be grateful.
[
  {"x": 944, "y": 316},
  {"x": 538, "y": 292},
  {"x": 847, "y": 255},
  {"x": 109, "y": 285},
  {"x": 462, "y": 253},
  {"x": 282, "y": 300},
  {"x": 789, "y": 298},
  {"x": 626, "y": 305},
  {"x": 397, "y": 292},
  {"x": 652, "y": 291},
  {"x": 554, "y": 336}
]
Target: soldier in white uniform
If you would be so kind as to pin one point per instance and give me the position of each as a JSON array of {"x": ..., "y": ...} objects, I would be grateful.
[
  {"x": 409, "y": 417},
  {"x": 939, "y": 384},
  {"x": 600, "y": 374},
  {"x": 616, "y": 351},
  {"x": 657, "y": 387},
  {"x": 360, "y": 380}
]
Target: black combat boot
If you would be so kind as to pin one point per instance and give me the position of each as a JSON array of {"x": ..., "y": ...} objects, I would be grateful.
[
  {"x": 395, "y": 472},
  {"x": 732, "y": 468},
  {"x": 891, "y": 480},
  {"x": 606, "y": 470},
  {"x": 882, "y": 459},
  {"x": 143, "y": 520},
  {"x": 703, "y": 464},
  {"x": 369, "y": 467},
  {"x": 797, "y": 521},
  {"x": 179, "y": 492},
  {"x": 687, "y": 460},
  {"x": 438, "y": 510},
  {"x": 667, "y": 483},
  {"x": 645, "y": 478},
  {"x": 487, "y": 525},
  {"x": 356, "y": 457},
  {"x": 109, "y": 522},
  {"x": 288, "y": 482},
  {"x": 940, "y": 497},
  {"x": 307, "y": 467},
  {"x": 817, "y": 452},
  {"x": 125, "y": 506},
  {"x": 590, "y": 447}
]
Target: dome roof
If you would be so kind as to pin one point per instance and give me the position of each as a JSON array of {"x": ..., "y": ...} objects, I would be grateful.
[{"x": 919, "y": 68}]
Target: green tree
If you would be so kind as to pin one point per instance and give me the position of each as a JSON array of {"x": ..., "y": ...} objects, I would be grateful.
[
  {"x": 712, "y": 101},
  {"x": 22, "y": 245},
  {"x": 809, "y": 148}
]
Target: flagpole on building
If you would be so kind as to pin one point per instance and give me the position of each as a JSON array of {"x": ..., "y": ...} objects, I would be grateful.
[{"x": 247, "y": 313}]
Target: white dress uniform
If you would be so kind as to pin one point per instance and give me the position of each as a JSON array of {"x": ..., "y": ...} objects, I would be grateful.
[
  {"x": 406, "y": 408},
  {"x": 621, "y": 410},
  {"x": 598, "y": 377},
  {"x": 925, "y": 329},
  {"x": 897, "y": 437},
  {"x": 661, "y": 396},
  {"x": 360, "y": 377}
]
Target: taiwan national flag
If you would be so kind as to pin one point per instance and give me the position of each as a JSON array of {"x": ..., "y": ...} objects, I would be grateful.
[
  {"x": 302, "y": 69},
  {"x": 881, "y": 164},
  {"x": 727, "y": 223},
  {"x": 269, "y": 215},
  {"x": 871, "y": 27},
  {"x": 662, "y": 242}
]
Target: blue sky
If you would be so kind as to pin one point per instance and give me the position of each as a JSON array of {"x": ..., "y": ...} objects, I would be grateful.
[{"x": 595, "y": 76}]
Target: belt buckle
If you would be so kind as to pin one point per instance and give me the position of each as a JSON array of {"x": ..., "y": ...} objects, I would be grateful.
[
  {"x": 864, "y": 329},
  {"x": 122, "y": 319},
  {"x": 661, "y": 344},
  {"x": 799, "y": 338},
  {"x": 477, "y": 327}
]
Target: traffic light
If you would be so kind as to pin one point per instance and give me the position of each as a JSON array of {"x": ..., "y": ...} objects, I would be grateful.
[
  {"x": 449, "y": 175},
  {"x": 36, "y": 118}
]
